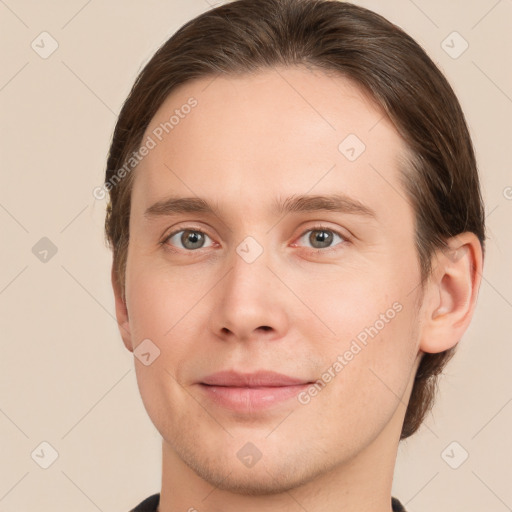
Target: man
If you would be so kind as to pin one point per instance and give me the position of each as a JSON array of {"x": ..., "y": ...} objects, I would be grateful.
[{"x": 298, "y": 238}]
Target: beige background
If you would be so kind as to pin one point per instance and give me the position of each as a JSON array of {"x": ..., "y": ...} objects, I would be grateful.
[{"x": 66, "y": 378}]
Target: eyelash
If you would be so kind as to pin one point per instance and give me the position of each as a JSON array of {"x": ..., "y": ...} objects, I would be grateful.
[{"x": 345, "y": 239}]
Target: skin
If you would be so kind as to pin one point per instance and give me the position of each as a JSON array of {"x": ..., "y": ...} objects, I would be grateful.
[{"x": 252, "y": 139}]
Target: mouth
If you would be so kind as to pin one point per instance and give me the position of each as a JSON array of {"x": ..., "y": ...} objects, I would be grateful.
[{"x": 251, "y": 392}]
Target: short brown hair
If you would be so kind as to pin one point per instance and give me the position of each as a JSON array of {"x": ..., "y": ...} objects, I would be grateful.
[{"x": 243, "y": 36}]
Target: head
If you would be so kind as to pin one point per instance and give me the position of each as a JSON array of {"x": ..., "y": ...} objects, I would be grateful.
[{"x": 252, "y": 103}]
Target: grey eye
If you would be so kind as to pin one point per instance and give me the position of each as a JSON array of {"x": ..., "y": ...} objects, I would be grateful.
[{"x": 190, "y": 239}]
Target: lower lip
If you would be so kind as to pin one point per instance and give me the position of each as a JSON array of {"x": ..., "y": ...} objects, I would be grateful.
[{"x": 251, "y": 399}]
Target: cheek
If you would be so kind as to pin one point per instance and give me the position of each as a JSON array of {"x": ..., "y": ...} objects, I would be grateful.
[
  {"x": 343, "y": 302},
  {"x": 367, "y": 336},
  {"x": 167, "y": 308},
  {"x": 159, "y": 302},
  {"x": 160, "y": 311},
  {"x": 364, "y": 380}
]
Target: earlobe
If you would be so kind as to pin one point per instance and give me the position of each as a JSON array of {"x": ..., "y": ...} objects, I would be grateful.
[
  {"x": 452, "y": 292},
  {"x": 121, "y": 312}
]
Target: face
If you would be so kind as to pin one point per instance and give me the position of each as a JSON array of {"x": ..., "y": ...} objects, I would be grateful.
[{"x": 324, "y": 291}]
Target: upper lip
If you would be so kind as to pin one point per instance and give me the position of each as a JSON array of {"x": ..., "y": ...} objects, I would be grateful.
[{"x": 260, "y": 378}]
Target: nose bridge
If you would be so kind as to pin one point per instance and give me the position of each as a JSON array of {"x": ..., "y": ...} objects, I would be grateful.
[
  {"x": 249, "y": 273},
  {"x": 247, "y": 299}
]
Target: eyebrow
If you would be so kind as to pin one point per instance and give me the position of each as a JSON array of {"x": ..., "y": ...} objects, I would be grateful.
[{"x": 298, "y": 203}]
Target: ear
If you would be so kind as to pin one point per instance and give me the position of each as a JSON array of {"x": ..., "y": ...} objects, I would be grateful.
[
  {"x": 121, "y": 313},
  {"x": 451, "y": 293}
]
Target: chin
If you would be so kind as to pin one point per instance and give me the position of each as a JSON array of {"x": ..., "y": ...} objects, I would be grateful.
[
  {"x": 273, "y": 473},
  {"x": 252, "y": 482}
]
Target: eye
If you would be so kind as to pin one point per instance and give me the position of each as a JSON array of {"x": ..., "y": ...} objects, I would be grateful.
[
  {"x": 190, "y": 239},
  {"x": 321, "y": 237}
]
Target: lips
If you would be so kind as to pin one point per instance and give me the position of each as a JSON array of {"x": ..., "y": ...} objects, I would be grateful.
[
  {"x": 252, "y": 380},
  {"x": 251, "y": 393}
]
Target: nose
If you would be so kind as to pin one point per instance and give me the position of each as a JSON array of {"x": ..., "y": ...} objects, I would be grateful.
[{"x": 249, "y": 301}]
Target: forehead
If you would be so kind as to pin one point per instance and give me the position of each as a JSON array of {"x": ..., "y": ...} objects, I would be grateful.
[{"x": 257, "y": 137}]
